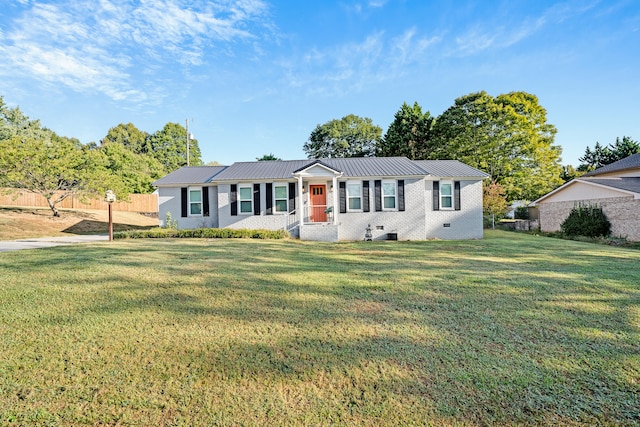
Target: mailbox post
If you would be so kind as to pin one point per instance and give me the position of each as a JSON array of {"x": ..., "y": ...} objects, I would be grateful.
[{"x": 110, "y": 197}]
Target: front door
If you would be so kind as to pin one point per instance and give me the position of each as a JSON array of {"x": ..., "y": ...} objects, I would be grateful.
[{"x": 318, "y": 203}]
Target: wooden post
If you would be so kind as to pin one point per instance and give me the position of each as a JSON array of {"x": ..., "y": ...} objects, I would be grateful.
[{"x": 110, "y": 223}]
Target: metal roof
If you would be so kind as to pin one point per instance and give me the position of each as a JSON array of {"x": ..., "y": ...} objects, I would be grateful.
[
  {"x": 630, "y": 162},
  {"x": 350, "y": 167},
  {"x": 190, "y": 175},
  {"x": 449, "y": 168},
  {"x": 353, "y": 167}
]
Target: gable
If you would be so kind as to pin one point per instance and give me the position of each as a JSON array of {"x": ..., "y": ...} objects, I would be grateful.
[{"x": 583, "y": 190}]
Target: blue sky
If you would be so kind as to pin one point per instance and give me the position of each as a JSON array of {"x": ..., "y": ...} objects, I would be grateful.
[{"x": 256, "y": 76}]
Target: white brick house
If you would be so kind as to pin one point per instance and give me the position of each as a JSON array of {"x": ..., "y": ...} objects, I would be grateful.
[
  {"x": 331, "y": 199},
  {"x": 614, "y": 187}
]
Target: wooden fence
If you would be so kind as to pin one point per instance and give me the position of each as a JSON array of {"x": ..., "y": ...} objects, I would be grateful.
[{"x": 142, "y": 203}]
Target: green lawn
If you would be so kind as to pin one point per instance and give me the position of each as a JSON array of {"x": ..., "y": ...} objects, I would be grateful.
[{"x": 510, "y": 330}]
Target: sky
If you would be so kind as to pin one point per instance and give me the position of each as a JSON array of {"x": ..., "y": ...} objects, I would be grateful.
[{"x": 255, "y": 77}]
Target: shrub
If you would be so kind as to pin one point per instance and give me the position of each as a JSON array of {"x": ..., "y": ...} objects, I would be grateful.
[
  {"x": 587, "y": 221},
  {"x": 521, "y": 212},
  {"x": 203, "y": 233},
  {"x": 170, "y": 222}
]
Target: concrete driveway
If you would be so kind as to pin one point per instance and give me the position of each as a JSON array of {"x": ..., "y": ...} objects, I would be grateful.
[{"x": 47, "y": 242}]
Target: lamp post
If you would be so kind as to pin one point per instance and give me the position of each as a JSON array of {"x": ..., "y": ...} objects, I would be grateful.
[{"x": 110, "y": 197}]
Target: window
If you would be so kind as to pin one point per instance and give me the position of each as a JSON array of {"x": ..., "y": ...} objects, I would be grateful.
[
  {"x": 280, "y": 198},
  {"x": 195, "y": 201},
  {"x": 354, "y": 196},
  {"x": 446, "y": 195},
  {"x": 246, "y": 199},
  {"x": 389, "y": 195}
]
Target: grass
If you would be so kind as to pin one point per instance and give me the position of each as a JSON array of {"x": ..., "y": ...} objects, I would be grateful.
[{"x": 510, "y": 330}]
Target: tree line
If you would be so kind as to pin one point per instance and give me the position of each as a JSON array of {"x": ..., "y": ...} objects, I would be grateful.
[
  {"x": 127, "y": 160},
  {"x": 506, "y": 136}
]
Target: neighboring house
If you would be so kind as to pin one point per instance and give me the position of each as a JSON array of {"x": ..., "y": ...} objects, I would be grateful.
[
  {"x": 331, "y": 199},
  {"x": 614, "y": 187}
]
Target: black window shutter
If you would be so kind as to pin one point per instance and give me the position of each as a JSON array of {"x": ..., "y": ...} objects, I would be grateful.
[
  {"x": 436, "y": 195},
  {"x": 378, "y": 194},
  {"x": 205, "y": 201},
  {"x": 269, "y": 197},
  {"x": 234, "y": 199},
  {"x": 292, "y": 196},
  {"x": 366, "y": 206},
  {"x": 456, "y": 195},
  {"x": 401, "y": 195},
  {"x": 184, "y": 201},
  {"x": 256, "y": 199},
  {"x": 343, "y": 196}
]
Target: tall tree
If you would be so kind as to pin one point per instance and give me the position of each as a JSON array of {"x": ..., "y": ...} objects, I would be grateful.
[
  {"x": 409, "y": 133},
  {"x": 351, "y": 136},
  {"x": 604, "y": 155},
  {"x": 169, "y": 147},
  {"x": 507, "y": 136},
  {"x": 135, "y": 171},
  {"x": 130, "y": 137},
  {"x": 267, "y": 157}
]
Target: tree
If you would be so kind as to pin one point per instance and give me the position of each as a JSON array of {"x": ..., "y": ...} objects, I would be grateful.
[
  {"x": 135, "y": 171},
  {"x": 130, "y": 137},
  {"x": 494, "y": 201},
  {"x": 169, "y": 147},
  {"x": 408, "y": 135},
  {"x": 602, "y": 156},
  {"x": 55, "y": 167},
  {"x": 351, "y": 136},
  {"x": 267, "y": 157},
  {"x": 569, "y": 173},
  {"x": 507, "y": 136}
]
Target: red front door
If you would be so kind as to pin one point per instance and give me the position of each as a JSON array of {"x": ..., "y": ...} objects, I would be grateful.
[{"x": 318, "y": 203}]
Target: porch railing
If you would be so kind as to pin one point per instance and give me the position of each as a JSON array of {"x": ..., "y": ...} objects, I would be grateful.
[{"x": 318, "y": 214}]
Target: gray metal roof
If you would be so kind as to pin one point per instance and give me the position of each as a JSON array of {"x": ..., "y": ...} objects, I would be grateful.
[
  {"x": 349, "y": 167},
  {"x": 449, "y": 168},
  {"x": 628, "y": 184},
  {"x": 630, "y": 162},
  {"x": 353, "y": 167},
  {"x": 190, "y": 175}
]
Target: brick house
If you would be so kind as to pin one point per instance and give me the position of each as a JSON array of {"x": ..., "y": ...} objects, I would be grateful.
[
  {"x": 614, "y": 187},
  {"x": 330, "y": 199}
]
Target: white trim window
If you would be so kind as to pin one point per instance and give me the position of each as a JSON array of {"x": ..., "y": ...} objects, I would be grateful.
[
  {"x": 280, "y": 197},
  {"x": 389, "y": 195},
  {"x": 354, "y": 196},
  {"x": 195, "y": 201},
  {"x": 446, "y": 195},
  {"x": 245, "y": 197}
]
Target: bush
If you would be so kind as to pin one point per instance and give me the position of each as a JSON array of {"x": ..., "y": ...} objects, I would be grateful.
[
  {"x": 204, "y": 233},
  {"x": 521, "y": 212},
  {"x": 587, "y": 221}
]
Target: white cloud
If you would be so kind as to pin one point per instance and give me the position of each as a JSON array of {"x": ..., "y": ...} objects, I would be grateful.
[
  {"x": 490, "y": 35},
  {"x": 356, "y": 65},
  {"x": 99, "y": 46}
]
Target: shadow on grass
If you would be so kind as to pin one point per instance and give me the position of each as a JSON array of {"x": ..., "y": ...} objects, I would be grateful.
[
  {"x": 484, "y": 332},
  {"x": 87, "y": 226}
]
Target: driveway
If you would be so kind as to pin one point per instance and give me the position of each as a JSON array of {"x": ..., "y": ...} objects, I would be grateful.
[{"x": 47, "y": 242}]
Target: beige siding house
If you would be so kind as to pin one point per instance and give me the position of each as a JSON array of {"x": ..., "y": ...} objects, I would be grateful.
[{"x": 615, "y": 188}]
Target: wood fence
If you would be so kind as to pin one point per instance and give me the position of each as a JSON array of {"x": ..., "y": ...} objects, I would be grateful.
[{"x": 141, "y": 203}]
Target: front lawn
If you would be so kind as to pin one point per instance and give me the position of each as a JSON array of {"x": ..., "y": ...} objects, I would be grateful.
[{"x": 512, "y": 329}]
